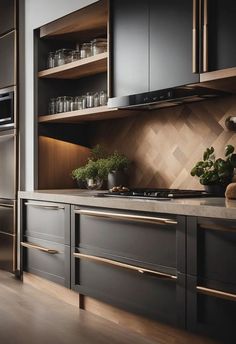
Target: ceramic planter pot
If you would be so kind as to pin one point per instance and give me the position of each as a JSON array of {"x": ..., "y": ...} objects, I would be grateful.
[
  {"x": 117, "y": 178},
  {"x": 216, "y": 190}
]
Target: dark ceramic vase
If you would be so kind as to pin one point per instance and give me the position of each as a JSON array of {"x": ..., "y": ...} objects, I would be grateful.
[
  {"x": 216, "y": 190},
  {"x": 117, "y": 178}
]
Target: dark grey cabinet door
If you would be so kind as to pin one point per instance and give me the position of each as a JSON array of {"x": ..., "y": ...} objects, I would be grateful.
[
  {"x": 221, "y": 34},
  {"x": 7, "y": 15},
  {"x": 8, "y": 60},
  {"x": 130, "y": 37},
  {"x": 171, "y": 47}
]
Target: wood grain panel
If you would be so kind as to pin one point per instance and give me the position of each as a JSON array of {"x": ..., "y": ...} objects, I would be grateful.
[
  {"x": 165, "y": 144},
  {"x": 56, "y": 161}
]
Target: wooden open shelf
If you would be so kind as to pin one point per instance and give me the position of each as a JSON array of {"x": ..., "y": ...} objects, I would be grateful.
[
  {"x": 77, "y": 69},
  {"x": 96, "y": 113},
  {"x": 223, "y": 80},
  {"x": 88, "y": 21}
]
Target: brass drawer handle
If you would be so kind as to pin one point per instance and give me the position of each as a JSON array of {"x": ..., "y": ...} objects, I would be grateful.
[
  {"x": 39, "y": 248},
  {"x": 195, "y": 38},
  {"x": 205, "y": 37},
  {"x": 6, "y": 205},
  {"x": 119, "y": 216},
  {"x": 125, "y": 266},
  {"x": 43, "y": 206},
  {"x": 216, "y": 227},
  {"x": 217, "y": 293}
]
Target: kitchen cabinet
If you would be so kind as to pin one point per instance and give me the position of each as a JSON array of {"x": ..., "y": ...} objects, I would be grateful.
[
  {"x": 211, "y": 281},
  {"x": 46, "y": 241},
  {"x": 152, "y": 45},
  {"x": 7, "y": 235},
  {"x": 171, "y": 46},
  {"x": 132, "y": 260},
  {"x": 130, "y": 43},
  {"x": 7, "y": 15},
  {"x": 8, "y": 60},
  {"x": 220, "y": 34}
]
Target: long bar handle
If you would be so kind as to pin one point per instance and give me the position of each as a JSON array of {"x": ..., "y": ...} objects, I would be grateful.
[
  {"x": 6, "y": 205},
  {"x": 217, "y": 228},
  {"x": 125, "y": 266},
  {"x": 195, "y": 68},
  {"x": 43, "y": 206},
  {"x": 130, "y": 217},
  {"x": 205, "y": 36},
  {"x": 216, "y": 293},
  {"x": 39, "y": 248}
]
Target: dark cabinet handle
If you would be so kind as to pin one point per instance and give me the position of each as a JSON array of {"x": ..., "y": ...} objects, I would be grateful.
[
  {"x": 39, "y": 248},
  {"x": 129, "y": 217},
  {"x": 125, "y": 266},
  {"x": 205, "y": 36},
  {"x": 43, "y": 206},
  {"x": 216, "y": 293},
  {"x": 195, "y": 37}
]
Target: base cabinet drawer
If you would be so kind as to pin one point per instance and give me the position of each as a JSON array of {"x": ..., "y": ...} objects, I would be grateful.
[
  {"x": 159, "y": 297},
  {"x": 212, "y": 310},
  {"x": 212, "y": 249},
  {"x": 149, "y": 238},
  {"x": 47, "y": 259},
  {"x": 47, "y": 221}
]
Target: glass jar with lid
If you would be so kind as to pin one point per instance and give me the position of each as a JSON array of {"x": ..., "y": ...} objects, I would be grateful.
[
  {"x": 61, "y": 56},
  {"x": 86, "y": 50},
  {"x": 99, "y": 46},
  {"x": 52, "y": 106},
  {"x": 103, "y": 98},
  {"x": 72, "y": 56},
  {"x": 51, "y": 59}
]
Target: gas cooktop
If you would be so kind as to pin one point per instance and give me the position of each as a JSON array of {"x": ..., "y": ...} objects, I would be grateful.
[{"x": 157, "y": 194}]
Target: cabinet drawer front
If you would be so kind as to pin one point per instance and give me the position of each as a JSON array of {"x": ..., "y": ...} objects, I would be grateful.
[
  {"x": 149, "y": 239},
  {"x": 215, "y": 247},
  {"x": 48, "y": 221},
  {"x": 129, "y": 289},
  {"x": 212, "y": 310},
  {"x": 7, "y": 252},
  {"x": 47, "y": 259},
  {"x": 7, "y": 218}
]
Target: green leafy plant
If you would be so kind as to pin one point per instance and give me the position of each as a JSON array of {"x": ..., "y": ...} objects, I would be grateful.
[
  {"x": 212, "y": 171},
  {"x": 93, "y": 169},
  {"x": 98, "y": 152},
  {"x": 117, "y": 162}
]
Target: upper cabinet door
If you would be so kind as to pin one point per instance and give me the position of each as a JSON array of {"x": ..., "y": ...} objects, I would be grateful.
[
  {"x": 220, "y": 44},
  {"x": 130, "y": 45},
  {"x": 8, "y": 60},
  {"x": 173, "y": 51},
  {"x": 7, "y": 16}
]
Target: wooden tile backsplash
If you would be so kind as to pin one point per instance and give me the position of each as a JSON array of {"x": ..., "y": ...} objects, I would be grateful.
[{"x": 164, "y": 144}]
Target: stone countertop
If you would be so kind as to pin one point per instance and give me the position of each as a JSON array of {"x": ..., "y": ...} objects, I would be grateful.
[{"x": 206, "y": 207}]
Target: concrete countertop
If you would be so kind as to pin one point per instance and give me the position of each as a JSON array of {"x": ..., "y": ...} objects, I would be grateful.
[{"x": 206, "y": 207}]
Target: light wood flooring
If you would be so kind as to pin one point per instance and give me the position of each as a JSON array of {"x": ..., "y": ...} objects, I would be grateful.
[{"x": 29, "y": 315}]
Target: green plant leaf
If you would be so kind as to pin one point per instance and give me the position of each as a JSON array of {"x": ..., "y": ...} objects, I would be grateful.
[
  {"x": 229, "y": 149},
  {"x": 233, "y": 160}
]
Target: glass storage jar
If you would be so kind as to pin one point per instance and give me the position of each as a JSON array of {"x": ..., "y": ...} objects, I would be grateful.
[
  {"x": 96, "y": 99},
  {"x": 86, "y": 50},
  {"x": 60, "y": 104},
  {"x": 84, "y": 101},
  {"x": 103, "y": 98},
  {"x": 72, "y": 56},
  {"x": 99, "y": 46},
  {"x": 51, "y": 60},
  {"x": 61, "y": 56},
  {"x": 67, "y": 103},
  {"x": 52, "y": 107},
  {"x": 89, "y": 100}
]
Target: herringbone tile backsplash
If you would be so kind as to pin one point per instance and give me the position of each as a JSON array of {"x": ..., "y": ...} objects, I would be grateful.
[{"x": 165, "y": 144}]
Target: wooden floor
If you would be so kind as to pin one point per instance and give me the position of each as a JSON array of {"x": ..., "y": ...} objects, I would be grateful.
[{"x": 28, "y": 315}]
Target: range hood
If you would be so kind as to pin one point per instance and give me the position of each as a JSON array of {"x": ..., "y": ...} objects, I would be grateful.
[{"x": 165, "y": 98}]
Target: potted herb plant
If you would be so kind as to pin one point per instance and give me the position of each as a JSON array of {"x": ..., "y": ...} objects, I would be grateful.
[
  {"x": 117, "y": 165},
  {"x": 215, "y": 174}
]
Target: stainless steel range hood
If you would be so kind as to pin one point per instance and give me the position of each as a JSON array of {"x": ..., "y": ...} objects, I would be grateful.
[{"x": 165, "y": 98}]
